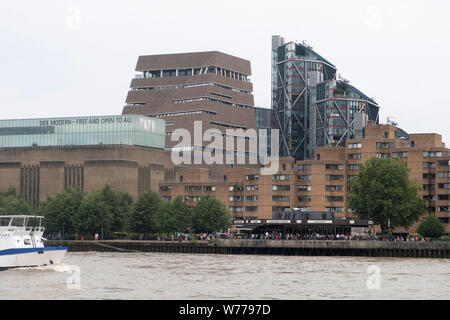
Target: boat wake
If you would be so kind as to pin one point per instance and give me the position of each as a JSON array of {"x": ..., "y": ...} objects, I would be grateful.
[{"x": 56, "y": 267}]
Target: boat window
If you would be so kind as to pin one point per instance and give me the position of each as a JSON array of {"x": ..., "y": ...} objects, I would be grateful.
[
  {"x": 4, "y": 222},
  {"x": 18, "y": 222}
]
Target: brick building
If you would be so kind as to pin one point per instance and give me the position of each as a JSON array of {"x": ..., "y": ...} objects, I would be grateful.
[{"x": 321, "y": 184}]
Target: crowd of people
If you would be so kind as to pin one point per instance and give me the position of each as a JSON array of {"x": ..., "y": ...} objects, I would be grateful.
[{"x": 318, "y": 236}]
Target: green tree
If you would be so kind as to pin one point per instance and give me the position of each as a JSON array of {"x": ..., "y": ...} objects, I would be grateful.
[
  {"x": 118, "y": 204},
  {"x": 103, "y": 211},
  {"x": 211, "y": 215},
  {"x": 11, "y": 204},
  {"x": 383, "y": 193},
  {"x": 60, "y": 210},
  {"x": 172, "y": 217},
  {"x": 143, "y": 212},
  {"x": 431, "y": 227},
  {"x": 92, "y": 215}
]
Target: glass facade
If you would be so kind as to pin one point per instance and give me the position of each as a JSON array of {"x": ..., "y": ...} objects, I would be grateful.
[
  {"x": 78, "y": 131},
  {"x": 311, "y": 107}
]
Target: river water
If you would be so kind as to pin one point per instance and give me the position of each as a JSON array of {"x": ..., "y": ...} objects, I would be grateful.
[{"x": 95, "y": 275}]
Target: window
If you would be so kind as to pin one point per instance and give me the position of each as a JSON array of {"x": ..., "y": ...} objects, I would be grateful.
[
  {"x": 252, "y": 177},
  {"x": 304, "y": 188},
  {"x": 252, "y": 188},
  {"x": 281, "y": 177},
  {"x": 193, "y": 188},
  {"x": 334, "y": 167},
  {"x": 334, "y": 188},
  {"x": 334, "y": 198},
  {"x": 251, "y": 209},
  {"x": 166, "y": 198},
  {"x": 354, "y": 146},
  {"x": 331, "y": 177},
  {"x": 429, "y": 165},
  {"x": 235, "y": 209},
  {"x": 432, "y": 154},
  {"x": 400, "y": 155},
  {"x": 334, "y": 209},
  {"x": 211, "y": 70},
  {"x": 169, "y": 73},
  {"x": 353, "y": 167},
  {"x": 184, "y": 72},
  {"x": 354, "y": 156},
  {"x": 304, "y": 199},
  {"x": 236, "y": 188},
  {"x": 444, "y": 197},
  {"x": 443, "y": 220},
  {"x": 429, "y": 187},
  {"x": 235, "y": 199},
  {"x": 209, "y": 188},
  {"x": 429, "y": 176},
  {"x": 281, "y": 188},
  {"x": 304, "y": 178},
  {"x": 281, "y": 198},
  {"x": 304, "y": 167},
  {"x": 444, "y": 174},
  {"x": 154, "y": 74},
  {"x": 442, "y": 186},
  {"x": 251, "y": 198},
  {"x": 192, "y": 198},
  {"x": 383, "y": 155},
  {"x": 165, "y": 188}
]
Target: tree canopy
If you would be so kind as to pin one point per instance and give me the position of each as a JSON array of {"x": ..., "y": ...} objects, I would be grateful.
[
  {"x": 211, "y": 215},
  {"x": 383, "y": 193},
  {"x": 143, "y": 212},
  {"x": 104, "y": 210},
  {"x": 11, "y": 204},
  {"x": 431, "y": 228},
  {"x": 173, "y": 217},
  {"x": 60, "y": 210}
]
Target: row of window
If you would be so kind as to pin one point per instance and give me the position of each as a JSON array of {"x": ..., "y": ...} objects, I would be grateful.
[
  {"x": 385, "y": 145},
  {"x": 445, "y": 174},
  {"x": 432, "y": 154},
  {"x": 307, "y": 198},
  {"x": 252, "y": 188},
  {"x": 183, "y": 113},
  {"x": 354, "y": 146},
  {"x": 172, "y": 87},
  {"x": 432, "y": 187},
  {"x": 213, "y": 100},
  {"x": 441, "y": 197},
  {"x": 241, "y": 209},
  {"x": 192, "y": 71}
]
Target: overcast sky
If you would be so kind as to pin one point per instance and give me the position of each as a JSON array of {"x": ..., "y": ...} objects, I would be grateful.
[{"x": 77, "y": 58}]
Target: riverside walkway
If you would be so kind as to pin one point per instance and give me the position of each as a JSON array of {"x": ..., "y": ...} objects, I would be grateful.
[{"x": 403, "y": 249}]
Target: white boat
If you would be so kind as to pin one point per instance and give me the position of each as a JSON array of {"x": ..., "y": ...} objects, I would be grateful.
[{"x": 21, "y": 243}]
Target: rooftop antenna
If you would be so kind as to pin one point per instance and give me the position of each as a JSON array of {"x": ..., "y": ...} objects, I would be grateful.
[
  {"x": 391, "y": 122},
  {"x": 306, "y": 44}
]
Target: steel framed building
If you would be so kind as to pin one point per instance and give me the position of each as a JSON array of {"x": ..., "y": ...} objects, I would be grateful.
[{"x": 311, "y": 107}]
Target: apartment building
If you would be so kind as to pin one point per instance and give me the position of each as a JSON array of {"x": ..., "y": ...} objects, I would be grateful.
[{"x": 321, "y": 184}]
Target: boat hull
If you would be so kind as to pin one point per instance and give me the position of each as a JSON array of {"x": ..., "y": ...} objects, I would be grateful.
[{"x": 31, "y": 257}]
